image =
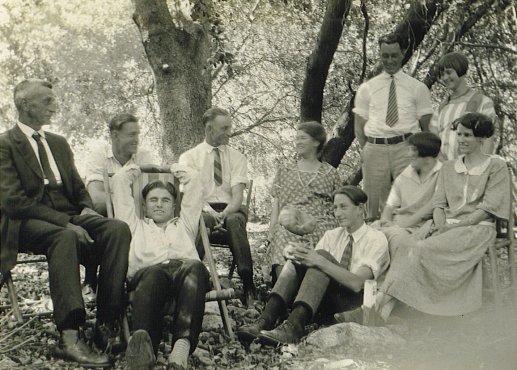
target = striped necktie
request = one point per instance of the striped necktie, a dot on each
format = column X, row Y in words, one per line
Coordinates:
column 346, row 258
column 392, row 114
column 218, row 170
column 43, row 158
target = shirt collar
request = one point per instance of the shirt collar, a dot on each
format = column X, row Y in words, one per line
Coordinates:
column 411, row 172
column 397, row 75
column 29, row 131
column 110, row 154
column 459, row 166
column 209, row 148
column 359, row 233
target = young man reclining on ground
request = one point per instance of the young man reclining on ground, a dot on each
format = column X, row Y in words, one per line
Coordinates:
column 323, row 280
column 164, row 265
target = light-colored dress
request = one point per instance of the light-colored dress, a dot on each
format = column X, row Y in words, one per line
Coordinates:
column 309, row 192
column 441, row 274
column 452, row 109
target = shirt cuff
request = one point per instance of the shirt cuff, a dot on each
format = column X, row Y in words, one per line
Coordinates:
column 361, row 112
column 94, row 177
column 239, row 180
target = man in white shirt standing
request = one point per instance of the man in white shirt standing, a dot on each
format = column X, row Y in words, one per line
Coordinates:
column 164, row 265
column 224, row 171
column 318, row 283
column 389, row 108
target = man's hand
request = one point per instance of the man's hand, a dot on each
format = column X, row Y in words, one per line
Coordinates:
column 306, row 256
column 89, row 211
column 82, row 234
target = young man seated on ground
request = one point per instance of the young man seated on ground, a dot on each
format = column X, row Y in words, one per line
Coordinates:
column 410, row 200
column 320, row 282
column 164, row 265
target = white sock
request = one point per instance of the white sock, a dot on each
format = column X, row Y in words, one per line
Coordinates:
column 180, row 352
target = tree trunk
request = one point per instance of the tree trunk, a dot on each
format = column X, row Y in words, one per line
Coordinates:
column 320, row 59
column 177, row 50
column 414, row 26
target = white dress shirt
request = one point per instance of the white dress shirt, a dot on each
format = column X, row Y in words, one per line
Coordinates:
column 29, row 131
column 151, row 244
column 234, row 169
column 370, row 248
column 102, row 158
column 371, row 103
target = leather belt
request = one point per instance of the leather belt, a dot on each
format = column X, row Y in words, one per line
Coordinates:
column 388, row 140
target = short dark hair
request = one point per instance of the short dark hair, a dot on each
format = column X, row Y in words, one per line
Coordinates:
column 20, row 90
column 117, row 122
column 480, row 124
column 394, row 38
column 427, row 144
column 212, row 113
column 356, row 195
column 315, row 130
column 158, row 184
column 456, row 61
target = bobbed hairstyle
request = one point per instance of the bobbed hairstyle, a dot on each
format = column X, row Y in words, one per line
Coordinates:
column 22, row 90
column 427, row 144
column 315, row 130
column 356, row 195
column 393, row 38
column 117, row 122
column 480, row 124
column 212, row 113
column 158, row 184
column 456, row 61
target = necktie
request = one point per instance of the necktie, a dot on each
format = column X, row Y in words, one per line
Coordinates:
column 43, row 158
column 392, row 114
column 218, row 170
column 346, row 258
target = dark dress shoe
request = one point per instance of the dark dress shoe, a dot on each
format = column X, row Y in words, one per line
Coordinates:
column 248, row 333
column 108, row 337
column 72, row 347
column 283, row 334
column 140, row 352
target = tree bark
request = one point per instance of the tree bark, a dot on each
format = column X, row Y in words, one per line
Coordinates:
column 177, row 50
column 414, row 26
column 320, row 59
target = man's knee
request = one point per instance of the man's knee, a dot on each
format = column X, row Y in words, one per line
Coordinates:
column 120, row 228
column 235, row 219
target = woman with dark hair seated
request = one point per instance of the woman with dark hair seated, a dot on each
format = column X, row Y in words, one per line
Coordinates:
column 441, row 275
column 462, row 99
column 302, row 195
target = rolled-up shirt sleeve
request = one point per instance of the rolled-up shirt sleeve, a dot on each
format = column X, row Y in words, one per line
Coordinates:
column 362, row 102
column 95, row 165
column 239, row 173
column 374, row 255
column 394, row 199
column 423, row 100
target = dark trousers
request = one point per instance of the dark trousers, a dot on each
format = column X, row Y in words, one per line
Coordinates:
column 236, row 237
column 64, row 253
column 182, row 283
column 315, row 290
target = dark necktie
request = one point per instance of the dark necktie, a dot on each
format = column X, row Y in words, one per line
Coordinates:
column 43, row 158
column 218, row 170
column 392, row 114
column 346, row 258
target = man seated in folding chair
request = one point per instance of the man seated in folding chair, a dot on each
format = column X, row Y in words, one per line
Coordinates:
column 164, row 265
column 224, row 171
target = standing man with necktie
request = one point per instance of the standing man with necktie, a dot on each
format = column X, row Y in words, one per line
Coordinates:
column 224, row 172
column 389, row 108
column 317, row 283
column 45, row 209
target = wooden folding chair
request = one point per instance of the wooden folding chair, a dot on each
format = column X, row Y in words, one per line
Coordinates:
column 220, row 239
column 217, row 294
column 505, row 239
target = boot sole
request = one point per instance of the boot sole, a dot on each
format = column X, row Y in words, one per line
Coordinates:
column 59, row 353
column 246, row 336
column 139, row 352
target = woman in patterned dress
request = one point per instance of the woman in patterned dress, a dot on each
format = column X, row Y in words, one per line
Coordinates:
column 306, row 185
column 462, row 99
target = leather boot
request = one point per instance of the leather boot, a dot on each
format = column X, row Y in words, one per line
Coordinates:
column 72, row 347
column 108, row 337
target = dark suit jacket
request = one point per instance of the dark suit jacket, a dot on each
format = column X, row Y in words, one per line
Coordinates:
column 22, row 188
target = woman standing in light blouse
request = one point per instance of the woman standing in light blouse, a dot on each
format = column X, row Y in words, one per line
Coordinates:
column 462, row 99
column 441, row 275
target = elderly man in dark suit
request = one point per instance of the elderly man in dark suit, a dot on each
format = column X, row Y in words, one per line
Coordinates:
column 45, row 209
